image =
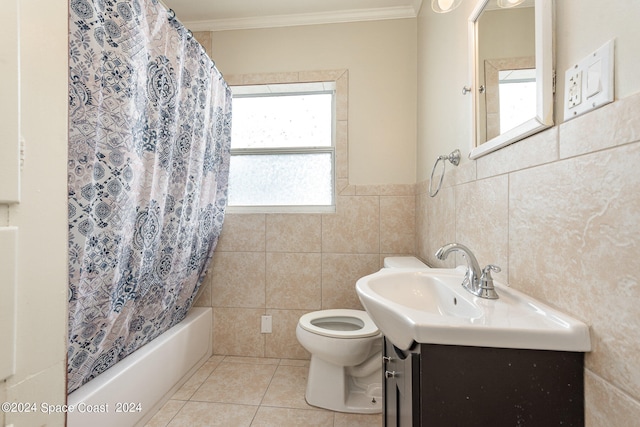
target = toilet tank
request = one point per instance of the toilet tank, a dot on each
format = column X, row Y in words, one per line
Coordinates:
column 403, row 262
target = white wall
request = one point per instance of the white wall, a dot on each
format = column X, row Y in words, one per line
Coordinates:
column 41, row 216
column 581, row 28
column 380, row 57
column 444, row 114
column 584, row 26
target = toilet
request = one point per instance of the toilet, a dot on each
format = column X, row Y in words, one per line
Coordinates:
column 345, row 372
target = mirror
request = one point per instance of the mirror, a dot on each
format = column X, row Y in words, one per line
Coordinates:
column 511, row 57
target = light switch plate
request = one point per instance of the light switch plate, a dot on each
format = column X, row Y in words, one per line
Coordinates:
column 8, row 280
column 589, row 83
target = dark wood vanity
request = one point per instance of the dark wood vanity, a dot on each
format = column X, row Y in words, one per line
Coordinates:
column 432, row 385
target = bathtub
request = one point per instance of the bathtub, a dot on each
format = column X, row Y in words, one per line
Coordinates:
column 131, row 392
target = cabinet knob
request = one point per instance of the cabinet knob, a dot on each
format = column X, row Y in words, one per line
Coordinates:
column 389, row 374
column 386, row 359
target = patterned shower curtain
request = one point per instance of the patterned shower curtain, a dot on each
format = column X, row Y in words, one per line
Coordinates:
column 149, row 136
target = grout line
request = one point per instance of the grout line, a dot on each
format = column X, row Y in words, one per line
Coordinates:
column 177, row 412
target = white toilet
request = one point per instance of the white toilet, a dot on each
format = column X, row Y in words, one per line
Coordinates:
column 345, row 373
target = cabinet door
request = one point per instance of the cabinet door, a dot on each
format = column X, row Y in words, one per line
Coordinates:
column 401, row 381
column 390, row 390
column 500, row 387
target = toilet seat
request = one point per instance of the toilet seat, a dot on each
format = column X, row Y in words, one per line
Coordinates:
column 341, row 323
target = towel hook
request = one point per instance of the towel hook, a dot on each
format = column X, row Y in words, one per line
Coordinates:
column 454, row 159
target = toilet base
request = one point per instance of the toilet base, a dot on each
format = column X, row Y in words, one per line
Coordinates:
column 329, row 387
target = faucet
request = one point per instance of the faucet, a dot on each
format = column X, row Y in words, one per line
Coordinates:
column 478, row 282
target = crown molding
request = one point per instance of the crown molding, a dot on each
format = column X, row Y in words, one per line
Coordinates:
column 306, row 19
column 417, row 5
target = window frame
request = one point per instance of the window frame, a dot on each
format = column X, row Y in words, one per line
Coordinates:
column 276, row 89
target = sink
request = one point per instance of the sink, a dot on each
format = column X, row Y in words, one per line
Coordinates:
column 430, row 306
column 428, row 293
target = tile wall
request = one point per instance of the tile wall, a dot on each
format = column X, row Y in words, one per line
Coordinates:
column 560, row 213
column 285, row 265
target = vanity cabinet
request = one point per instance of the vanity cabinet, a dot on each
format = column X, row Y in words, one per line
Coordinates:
column 446, row 385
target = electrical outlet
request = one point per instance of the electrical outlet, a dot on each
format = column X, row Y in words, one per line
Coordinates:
column 266, row 325
column 575, row 89
column 589, row 83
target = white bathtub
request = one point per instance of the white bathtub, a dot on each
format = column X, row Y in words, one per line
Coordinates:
column 130, row 392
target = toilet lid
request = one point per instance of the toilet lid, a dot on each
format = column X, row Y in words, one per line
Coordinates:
column 339, row 323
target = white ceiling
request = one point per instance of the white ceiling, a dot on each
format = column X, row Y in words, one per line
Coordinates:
column 215, row 15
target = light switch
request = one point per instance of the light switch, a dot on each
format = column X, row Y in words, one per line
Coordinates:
column 594, row 79
column 8, row 275
column 589, row 83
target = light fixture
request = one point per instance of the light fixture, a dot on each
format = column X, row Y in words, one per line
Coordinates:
column 444, row 6
column 509, row 3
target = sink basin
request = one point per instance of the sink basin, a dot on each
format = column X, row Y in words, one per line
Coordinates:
column 430, row 306
column 427, row 293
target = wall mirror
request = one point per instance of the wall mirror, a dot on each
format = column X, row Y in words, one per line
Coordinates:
column 512, row 71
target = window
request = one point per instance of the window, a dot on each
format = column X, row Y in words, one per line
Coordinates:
column 282, row 148
column 517, row 92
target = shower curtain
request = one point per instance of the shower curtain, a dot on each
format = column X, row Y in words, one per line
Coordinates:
column 149, row 136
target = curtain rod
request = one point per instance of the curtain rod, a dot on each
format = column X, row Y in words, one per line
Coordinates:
column 163, row 4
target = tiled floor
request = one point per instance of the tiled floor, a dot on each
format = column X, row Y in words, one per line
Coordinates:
column 241, row 391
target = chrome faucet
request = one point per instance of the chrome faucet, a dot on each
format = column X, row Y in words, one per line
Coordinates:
column 478, row 282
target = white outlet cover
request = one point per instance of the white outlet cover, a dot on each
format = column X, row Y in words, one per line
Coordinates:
column 266, row 324
column 595, row 76
column 574, row 88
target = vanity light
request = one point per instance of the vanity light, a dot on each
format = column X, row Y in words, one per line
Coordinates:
column 444, row 6
column 509, row 3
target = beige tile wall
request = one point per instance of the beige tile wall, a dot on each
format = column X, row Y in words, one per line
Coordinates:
column 560, row 213
column 285, row 265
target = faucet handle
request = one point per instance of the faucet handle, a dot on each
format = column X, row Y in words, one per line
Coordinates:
column 487, row 270
column 486, row 288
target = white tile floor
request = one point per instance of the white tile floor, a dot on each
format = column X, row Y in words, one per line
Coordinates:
column 243, row 391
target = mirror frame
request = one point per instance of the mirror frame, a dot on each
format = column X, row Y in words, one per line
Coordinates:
column 545, row 80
